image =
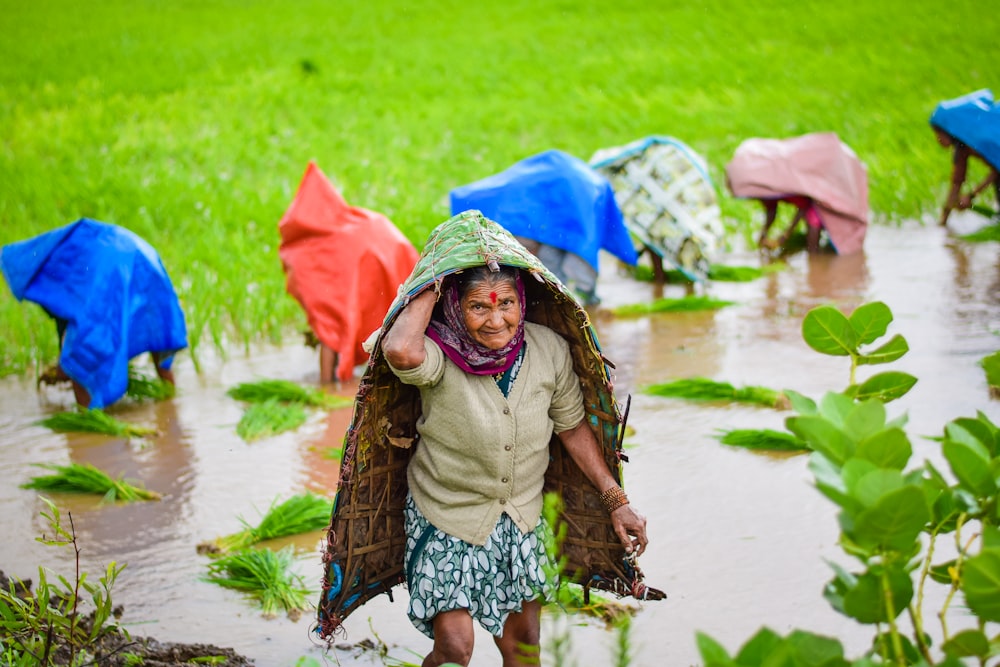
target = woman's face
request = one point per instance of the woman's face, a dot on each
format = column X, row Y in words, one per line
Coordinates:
column 492, row 313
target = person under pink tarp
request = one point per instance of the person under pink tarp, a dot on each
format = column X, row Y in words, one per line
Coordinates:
column 816, row 172
column 343, row 264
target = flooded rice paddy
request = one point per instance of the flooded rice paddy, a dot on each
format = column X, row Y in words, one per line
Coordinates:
column 738, row 539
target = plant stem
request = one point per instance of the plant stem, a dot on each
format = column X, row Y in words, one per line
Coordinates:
column 890, row 609
column 954, row 578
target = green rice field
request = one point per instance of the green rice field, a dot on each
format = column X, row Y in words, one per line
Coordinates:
column 191, row 123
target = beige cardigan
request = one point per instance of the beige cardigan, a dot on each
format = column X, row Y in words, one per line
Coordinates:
column 480, row 454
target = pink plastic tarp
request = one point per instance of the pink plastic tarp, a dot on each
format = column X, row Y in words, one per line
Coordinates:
column 819, row 166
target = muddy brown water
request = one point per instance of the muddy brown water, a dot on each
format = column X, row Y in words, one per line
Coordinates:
column 738, row 539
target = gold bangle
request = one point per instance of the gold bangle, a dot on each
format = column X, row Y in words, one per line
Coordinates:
column 614, row 497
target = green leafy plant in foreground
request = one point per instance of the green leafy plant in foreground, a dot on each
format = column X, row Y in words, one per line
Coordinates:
column 892, row 521
column 265, row 576
column 991, row 364
column 85, row 478
column 47, row 628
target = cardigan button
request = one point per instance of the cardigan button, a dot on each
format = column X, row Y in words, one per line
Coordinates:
column 504, row 480
column 506, row 411
column 503, row 501
column 507, row 447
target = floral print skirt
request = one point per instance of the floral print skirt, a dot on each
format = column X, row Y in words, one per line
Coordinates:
column 491, row 581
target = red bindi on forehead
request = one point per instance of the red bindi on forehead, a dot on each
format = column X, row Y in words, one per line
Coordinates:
column 493, row 297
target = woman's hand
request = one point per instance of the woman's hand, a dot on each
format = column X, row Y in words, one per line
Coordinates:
column 630, row 526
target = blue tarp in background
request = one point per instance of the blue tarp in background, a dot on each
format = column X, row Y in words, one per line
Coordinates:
column 973, row 119
column 110, row 287
column 555, row 199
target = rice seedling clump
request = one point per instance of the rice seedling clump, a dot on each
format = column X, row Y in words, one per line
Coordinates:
column 704, row 389
column 85, row 478
column 144, row 387
column 762, row 440
column 86, row 420
column 299, row 514
column 271, row 417
column 667, row 305
column 286, row 392
column 264, row 575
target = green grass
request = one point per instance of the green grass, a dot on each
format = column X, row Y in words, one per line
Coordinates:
column 991, row 365
column 191, row 123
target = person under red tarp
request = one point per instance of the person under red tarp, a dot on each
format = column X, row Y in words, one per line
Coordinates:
column 343, row 264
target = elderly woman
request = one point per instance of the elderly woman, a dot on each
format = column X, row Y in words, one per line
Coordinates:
column 493, row 389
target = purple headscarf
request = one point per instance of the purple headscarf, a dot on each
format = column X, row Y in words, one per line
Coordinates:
column 454, row 339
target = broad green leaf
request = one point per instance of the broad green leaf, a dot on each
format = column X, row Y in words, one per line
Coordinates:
column 829, row 481
column 967, row 643
column 895, row 521
column 981, row 584
column 822, row 437
column 836, row 407
column 991, row 537
column 885, row 644
column 871, row 487
column 866, row 602
column 886, row 386
column 826, row 330
column 895, row 348
column 712, row 652
column 758, row 647
column 958, row 432
column 889, row 448
column 870, row 321
column 800, row 403
column 817, row 650
column 981, row 430
column 864, row 419
column 970, row 463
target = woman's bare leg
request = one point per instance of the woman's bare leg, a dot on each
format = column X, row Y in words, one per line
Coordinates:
column 453, row 639
column 519, row 644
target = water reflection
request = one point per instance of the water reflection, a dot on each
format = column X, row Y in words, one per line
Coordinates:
column 730, row 530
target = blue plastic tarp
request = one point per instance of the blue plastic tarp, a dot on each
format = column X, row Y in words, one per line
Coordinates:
column 973, row 119
column 555, row 199
column 110, row 288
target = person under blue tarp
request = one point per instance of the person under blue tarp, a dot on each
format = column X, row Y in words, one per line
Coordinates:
column 111, row 299
column 970, row 125
column 559, row 208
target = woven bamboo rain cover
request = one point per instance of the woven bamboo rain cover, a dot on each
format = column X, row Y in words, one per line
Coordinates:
column 365, row 544
column 667, row 199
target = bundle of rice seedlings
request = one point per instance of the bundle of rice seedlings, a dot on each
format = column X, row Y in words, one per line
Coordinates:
column 703, row 389
column 666, row 305
column 271, row 417
column 85, row 478
column 299, row 514
column 84, row 420
column 285, row 391
column 991, row 364
column 265, row 576
column 142, row 387
column 734, row 274
column 762, row 440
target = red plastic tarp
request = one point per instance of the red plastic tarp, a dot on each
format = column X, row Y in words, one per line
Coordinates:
column 819, row 166
column 343, row 264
